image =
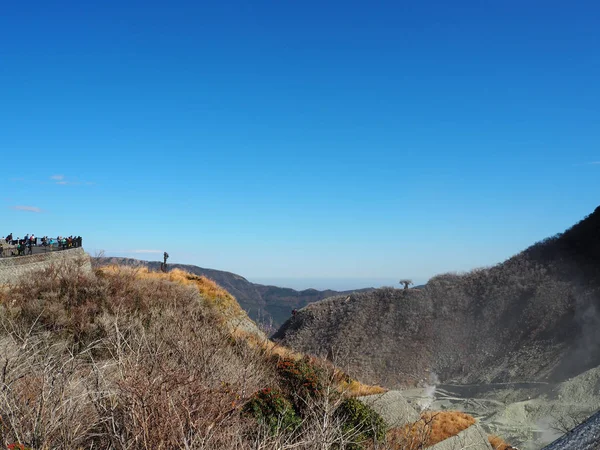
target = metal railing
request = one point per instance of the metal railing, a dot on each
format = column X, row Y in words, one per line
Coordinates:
column 22, row 247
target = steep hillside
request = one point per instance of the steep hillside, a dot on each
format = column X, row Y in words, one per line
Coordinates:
column 270, row 305
column 129, row 359
column 583, row 437
column 535, row 317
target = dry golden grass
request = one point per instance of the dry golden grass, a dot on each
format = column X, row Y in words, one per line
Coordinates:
column 211, row 291
column 125, row 359
column 228, row 306
column 137, row 292
column 354, row 388
column 433, row 427
column 447, row 424
column 498, row 443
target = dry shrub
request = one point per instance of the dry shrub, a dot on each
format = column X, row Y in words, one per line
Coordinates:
column 210, row 291
column 126, row 359
column 42, row 395
column 346, row 385
column 498, row 443
column 354, row 388
column 433, row 427
column 122, row 360
column 182, row 385
column 269, row 347
column 71, row 301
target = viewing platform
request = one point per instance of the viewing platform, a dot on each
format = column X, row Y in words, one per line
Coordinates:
column 25, row 247
column 14, row 268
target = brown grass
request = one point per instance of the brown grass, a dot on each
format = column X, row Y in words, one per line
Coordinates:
column 433, row 427
column 498, row 443
column 227, row 304
column 214, row 294
column 123, row 359
column 354, row 388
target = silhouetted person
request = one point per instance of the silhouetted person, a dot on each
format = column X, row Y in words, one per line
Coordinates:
column 163, row 266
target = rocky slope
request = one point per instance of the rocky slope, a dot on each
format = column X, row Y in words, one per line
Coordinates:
column 535, row 317
column 528, row 415
column 268, row 305
column 584, row 437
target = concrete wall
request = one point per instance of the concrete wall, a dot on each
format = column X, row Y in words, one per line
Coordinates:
column 13, row 268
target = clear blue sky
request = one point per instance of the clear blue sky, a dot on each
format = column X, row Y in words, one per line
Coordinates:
column 348, row 140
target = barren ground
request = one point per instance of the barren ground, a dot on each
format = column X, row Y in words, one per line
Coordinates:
column 527, row 415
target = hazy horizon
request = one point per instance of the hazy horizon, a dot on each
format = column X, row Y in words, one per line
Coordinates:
column 336, row 284
column 297, row 283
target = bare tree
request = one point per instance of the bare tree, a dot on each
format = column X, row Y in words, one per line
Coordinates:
column 406, row 283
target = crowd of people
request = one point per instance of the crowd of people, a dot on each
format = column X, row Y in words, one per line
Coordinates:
column 24, row 246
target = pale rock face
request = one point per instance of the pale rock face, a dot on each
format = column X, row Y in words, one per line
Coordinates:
column 392, row 407
column 397, row 412
column 473, row 438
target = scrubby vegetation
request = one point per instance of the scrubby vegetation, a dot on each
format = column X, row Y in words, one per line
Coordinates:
column 124, row 358
column 130, row 359
column 271, row 408
column 302, row 378
column 270, row 306
column 533, row 317
column 433, row 427
column 359, row 419
column 120, row 360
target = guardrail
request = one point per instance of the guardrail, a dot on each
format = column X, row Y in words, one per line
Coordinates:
column 17, row 248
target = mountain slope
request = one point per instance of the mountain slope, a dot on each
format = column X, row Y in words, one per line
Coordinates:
column 535, row 317
column 126, row 359
column 583, row 437
column 269, row 305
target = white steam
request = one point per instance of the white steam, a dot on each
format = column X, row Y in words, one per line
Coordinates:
column 429, row 392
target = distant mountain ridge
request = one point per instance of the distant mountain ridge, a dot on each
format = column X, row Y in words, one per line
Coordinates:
column 534, row 317
column 268, row 305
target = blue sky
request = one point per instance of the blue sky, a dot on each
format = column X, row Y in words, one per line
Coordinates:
column 314, row 143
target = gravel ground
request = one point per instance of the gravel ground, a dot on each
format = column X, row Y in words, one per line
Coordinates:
column 527, row 415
